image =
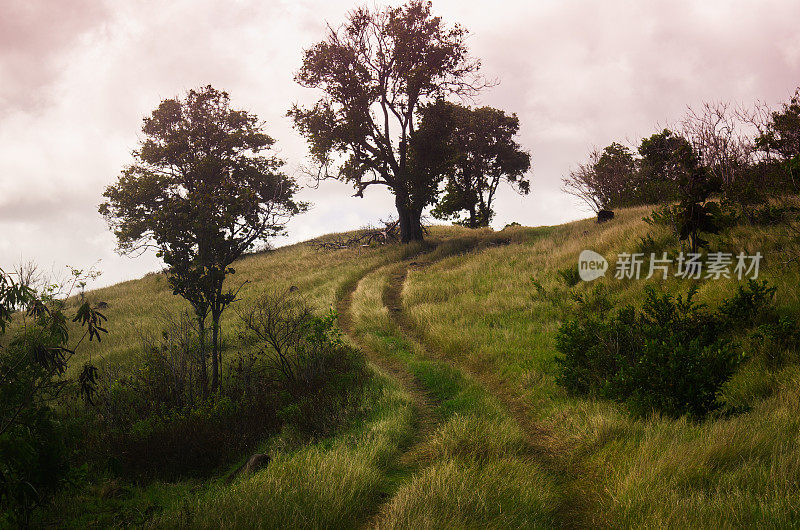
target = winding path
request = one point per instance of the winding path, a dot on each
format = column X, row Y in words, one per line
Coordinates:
column 426, row 418
column 579, row 500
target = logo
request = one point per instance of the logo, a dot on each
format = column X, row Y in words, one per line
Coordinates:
column 591, row 265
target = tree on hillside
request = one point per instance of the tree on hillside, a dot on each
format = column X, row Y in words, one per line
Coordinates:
column 661, row 166
column 782, row 135
column 484, row 154
column 204, row 188
column 606, row 181
column 376, row 70
column 719, row 136
column 695, row 214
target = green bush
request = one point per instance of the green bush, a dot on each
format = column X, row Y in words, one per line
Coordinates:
column 751, row 312
column 152, row 420
column 751, row 305
column 669, row 356
column 310, row 362
column 570, row 276
column 34, row 444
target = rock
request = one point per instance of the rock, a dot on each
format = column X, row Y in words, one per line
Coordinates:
column 102, row 305
column 255, row 463
column 293, row 288
column 604, row 215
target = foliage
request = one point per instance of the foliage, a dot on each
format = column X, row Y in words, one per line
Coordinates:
column 752, row 309
column 750, row 305
column 482, row 151
column 669, row 356
column 33, row 362
column 203, row 190
column 375, row 71
column 782, row 134
column 152, row 419
column 606, row 181
column 695, row 214
column 305, row 356
column 660, row 167
column 294, row 369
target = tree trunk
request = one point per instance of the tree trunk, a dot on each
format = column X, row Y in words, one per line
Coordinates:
column 201, row 326
column 410, row 220
column 215, row 316
column 473, row 221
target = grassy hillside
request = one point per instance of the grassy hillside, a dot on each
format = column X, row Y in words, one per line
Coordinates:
column 463, row 424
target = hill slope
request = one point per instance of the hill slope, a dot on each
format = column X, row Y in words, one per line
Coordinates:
column 464, row 423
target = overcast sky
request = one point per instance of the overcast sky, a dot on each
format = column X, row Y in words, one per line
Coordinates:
column 77, row 77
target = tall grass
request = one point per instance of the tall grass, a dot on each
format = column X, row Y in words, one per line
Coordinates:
column 494, row 311
column 475, row 469
column 329, row 484
column 738, row 470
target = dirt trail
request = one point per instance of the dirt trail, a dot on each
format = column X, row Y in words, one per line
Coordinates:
column 576, row 509
column 424, row 404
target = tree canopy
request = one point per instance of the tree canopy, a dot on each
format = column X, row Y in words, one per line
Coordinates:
column 483, row 153
column 375, row 71
column 606, row 181
column 204, row 188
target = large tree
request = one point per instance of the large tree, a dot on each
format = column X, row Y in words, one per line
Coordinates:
column 484, row 154
column 203, row 189
column 376, row 70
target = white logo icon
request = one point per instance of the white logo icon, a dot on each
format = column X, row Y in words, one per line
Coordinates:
column 591, row 265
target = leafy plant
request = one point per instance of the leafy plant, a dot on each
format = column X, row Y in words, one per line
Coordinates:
column 33, row 362
column 570, row 275
column 668, row 356
column 752, row 304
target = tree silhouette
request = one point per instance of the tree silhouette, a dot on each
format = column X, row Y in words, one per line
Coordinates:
column 376, row 70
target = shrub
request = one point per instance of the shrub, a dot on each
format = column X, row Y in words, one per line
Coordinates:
column 307, row 358
column 152, row 420
column 669, row 356
column 751, row 311
column 570, row 275
column 293, row 370
column 192, row 441
column 752, row 304
column 33, row 364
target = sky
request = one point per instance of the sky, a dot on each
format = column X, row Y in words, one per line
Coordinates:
column 78, row 76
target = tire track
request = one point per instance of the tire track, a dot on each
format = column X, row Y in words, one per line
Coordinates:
column 579, row 500
column 425, row 405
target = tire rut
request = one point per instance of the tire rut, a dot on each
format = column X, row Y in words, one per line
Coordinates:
column 576, row 507
column 424, row 404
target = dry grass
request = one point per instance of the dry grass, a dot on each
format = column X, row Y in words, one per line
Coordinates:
column 481, row 313
column 735, row 471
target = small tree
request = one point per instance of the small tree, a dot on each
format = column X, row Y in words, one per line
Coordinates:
column 203, row 189
column 607, row 181
column 484, row 154
column 782, row 136
column 376, row 71
column 695, row 214
column 660, row 166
